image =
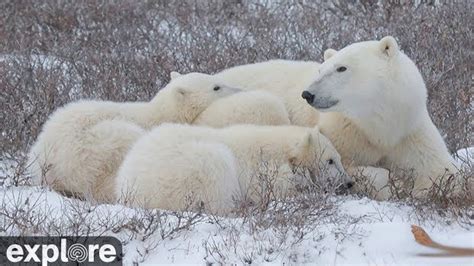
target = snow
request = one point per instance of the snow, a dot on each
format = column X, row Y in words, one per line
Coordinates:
column 378, row 242
column 372, row 233
column 466, row 155
column 364, row 232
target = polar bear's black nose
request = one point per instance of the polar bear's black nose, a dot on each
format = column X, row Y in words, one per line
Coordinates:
column 308, row 96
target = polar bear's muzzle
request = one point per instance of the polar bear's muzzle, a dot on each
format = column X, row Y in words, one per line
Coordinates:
column 324, row 102
column 318, row 102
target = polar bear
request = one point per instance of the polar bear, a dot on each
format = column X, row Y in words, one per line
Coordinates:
column 247, row 107
column 83, row 143
column 178, row 175
column 373, row 103
column 283, row 78
column 172, row 161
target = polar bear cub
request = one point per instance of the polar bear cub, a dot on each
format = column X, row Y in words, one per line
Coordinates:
column 373, row 103
column 83, row 143
column 171, row 162
column 248, row 107
column 178, row 175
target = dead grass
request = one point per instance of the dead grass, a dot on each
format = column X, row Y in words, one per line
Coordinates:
column 53, row 52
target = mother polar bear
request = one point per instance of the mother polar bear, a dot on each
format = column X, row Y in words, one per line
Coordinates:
column 372, row 103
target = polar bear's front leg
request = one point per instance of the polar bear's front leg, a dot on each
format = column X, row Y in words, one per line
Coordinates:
column 373, row 181
column 426, row 156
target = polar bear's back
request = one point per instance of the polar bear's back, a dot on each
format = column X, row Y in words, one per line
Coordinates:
column 67, row 124
column 275, row 75
column 80, row 115
column 79, row 145
column 178, row 175
column 250, row 107
column 59, row 134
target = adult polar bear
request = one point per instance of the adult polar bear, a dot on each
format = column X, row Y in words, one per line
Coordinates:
column 383, row 119
column 82, row 144
column 373, row 103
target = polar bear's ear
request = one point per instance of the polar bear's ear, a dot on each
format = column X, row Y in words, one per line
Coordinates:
column 174, row 74
column 388, row 45
column 329, row 53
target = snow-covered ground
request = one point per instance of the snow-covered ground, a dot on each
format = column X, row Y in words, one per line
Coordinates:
column 362, row 232
column 366, row 233
column 383, row 237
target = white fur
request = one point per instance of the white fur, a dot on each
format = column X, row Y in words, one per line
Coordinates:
column 375, row 111
column 82, row 144
column 178, row 175
column 377, row 178
column 248, row 107
column 164, row 161
column 284, row 78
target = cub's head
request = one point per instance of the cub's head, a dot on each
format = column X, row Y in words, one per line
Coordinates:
column 362, row 75
column 194, row 92
column 316, row 153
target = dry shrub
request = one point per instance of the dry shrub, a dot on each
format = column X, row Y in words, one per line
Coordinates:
column 451, row 196
column 275, row 221
column 52, row 53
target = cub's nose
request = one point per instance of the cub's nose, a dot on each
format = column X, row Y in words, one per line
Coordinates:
column 308, row 96
column 350, row 184
column 345, row 188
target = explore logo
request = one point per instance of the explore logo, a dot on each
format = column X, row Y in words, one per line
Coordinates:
column 60, row 250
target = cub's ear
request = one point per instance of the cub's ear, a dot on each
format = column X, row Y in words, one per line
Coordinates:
column 174, row 74
column 329, row 53
column 388, row 46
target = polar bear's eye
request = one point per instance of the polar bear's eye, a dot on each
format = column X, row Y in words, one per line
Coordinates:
column 216, row 88
column 341, row 69
column 330, row 161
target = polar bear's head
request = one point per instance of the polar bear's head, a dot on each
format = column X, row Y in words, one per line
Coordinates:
column 364, row 77
column 316, row 153
column 192, row 93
